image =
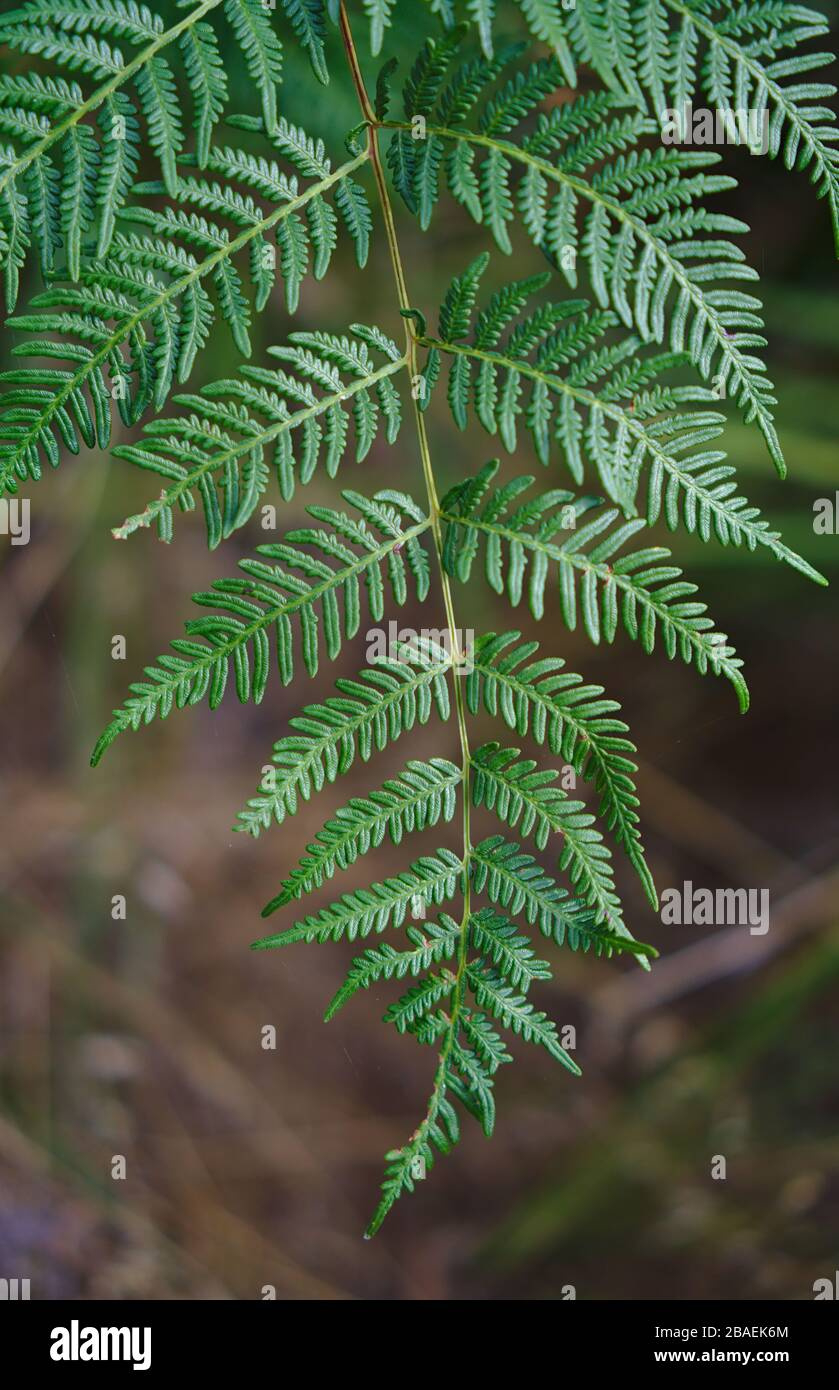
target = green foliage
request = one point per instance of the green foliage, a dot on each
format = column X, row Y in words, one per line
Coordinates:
column 610, row 398
column 424, row 793
column 598, row 578
column 63, row 177
column 431, row 879
column 616, row 391
column 302, row 410
column 314, row 578
column 523, row 796
column 135, row 320
column 665, row 55
column 513, row 879
column 744, row 55
column 430, row 944
column 386, row 701
column 556, row 708
column 585, row 181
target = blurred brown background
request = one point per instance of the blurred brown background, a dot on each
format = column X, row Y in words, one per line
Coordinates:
column 142, row 1037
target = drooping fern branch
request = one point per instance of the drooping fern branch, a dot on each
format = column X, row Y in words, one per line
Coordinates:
column 608, row 389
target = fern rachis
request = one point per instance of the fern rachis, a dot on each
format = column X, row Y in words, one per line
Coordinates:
column 608, row 389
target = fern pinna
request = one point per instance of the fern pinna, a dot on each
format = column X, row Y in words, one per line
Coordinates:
column 608, row 363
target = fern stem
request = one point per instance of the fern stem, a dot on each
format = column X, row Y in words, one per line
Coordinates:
column 107, row 89
column 411, row 342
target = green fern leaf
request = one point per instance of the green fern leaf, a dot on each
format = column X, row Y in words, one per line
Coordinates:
column 517, row 1014
column 432, row 879
column 156, row 281
column 638, row 588
column 430, row 944
column 47, row 115
column 639, row 229
column 371, row 712
column 523, row 795
column 736, row 57
column 424, row 794
column 497, row 939
column 285, row 582
column 560, row 377
column 541, row 698
column 512, row 878
column 296, row 415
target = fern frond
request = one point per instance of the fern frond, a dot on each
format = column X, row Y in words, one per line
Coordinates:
column 510, row 877
column 572, row 719
column 64, row 172
column 486, row 1044
column 671, row 54
column 420, row 797
column 431, row 943
column 583, row 185
column 142, row 314
column 522, row 795
column 493, row 993
column 300, row 239
column 292, row 417
column 556, row 372
column 498, row 940
column 433, row 879
column 136, row 275
column 438, row 1131
column 470, row 1079
column 471, row 1050
column 743, row 56
column 372, row 711
column 286, row 582
column 640, row 589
